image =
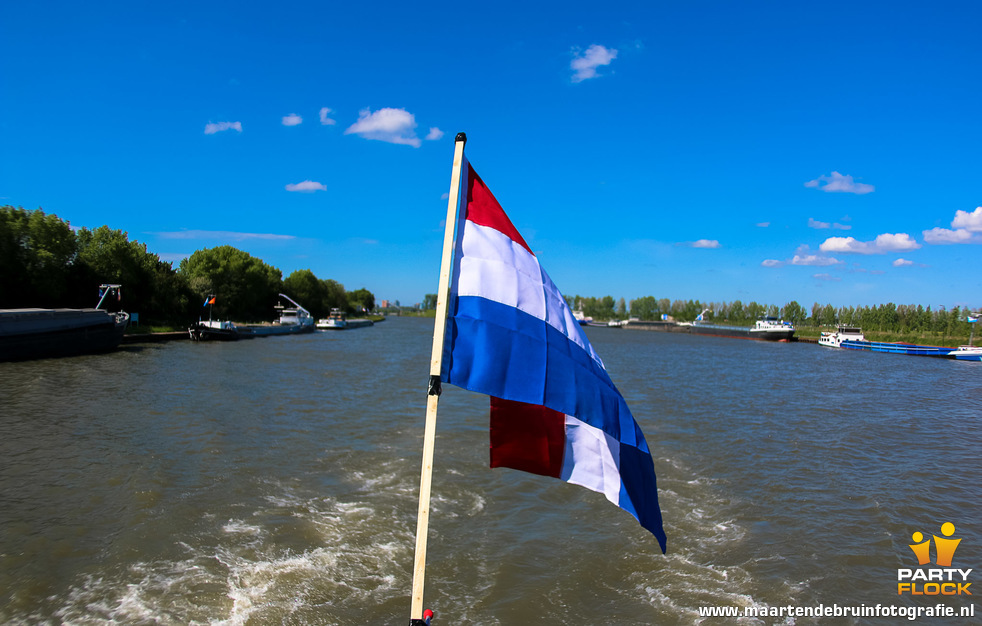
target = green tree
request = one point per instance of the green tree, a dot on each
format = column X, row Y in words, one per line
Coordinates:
column 794, row 313
column 37, row 253
column 606, row 308
column 150, row 286
column 361, row 299
column 754, row 311
column 304, row 287
column 816, row 316
column 429, row 302
column 335, row 296
column 246, row 287
column 645, row 308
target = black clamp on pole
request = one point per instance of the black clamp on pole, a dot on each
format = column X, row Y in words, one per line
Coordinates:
column 434, row 388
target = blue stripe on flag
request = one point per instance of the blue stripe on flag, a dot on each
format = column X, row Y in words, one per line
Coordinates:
column 498, row 350
column 639, row 491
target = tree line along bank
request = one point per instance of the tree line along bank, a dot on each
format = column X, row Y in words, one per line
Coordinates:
column 46, row 263
column 890, row 319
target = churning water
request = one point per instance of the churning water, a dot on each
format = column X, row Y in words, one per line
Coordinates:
column 275, row 481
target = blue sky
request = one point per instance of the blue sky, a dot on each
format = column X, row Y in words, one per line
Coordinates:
column 768, row 151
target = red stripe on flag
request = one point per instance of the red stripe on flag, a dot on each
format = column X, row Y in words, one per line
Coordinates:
column 483, row 209
column 527, row 437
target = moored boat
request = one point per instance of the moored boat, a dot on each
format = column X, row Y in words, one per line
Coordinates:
column 292, row 320
column 966, row 353
column 772, row 329
column 764, row 329
column 852, row 338
column 39, row 333
column 969, row 352
column 581, row 319
column 841, row 334
column 335, row 321
column 214, row 331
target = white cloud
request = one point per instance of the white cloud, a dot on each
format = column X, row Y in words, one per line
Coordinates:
column 706, row 243
column 967, row 229
column 969, row 221
column 221, row 234
column 882, row 244
column 216, row 127
column 944, row 236
column 814, row 259
column 902, row 263
column 585, row 65
column 840, row 183
column 814, row 223
column 899, row 241
column 803, row 256
column 389, row 125
column 434, row 134
column 826, row 277
column 845, row 244
column 307, row 186
column 325, row 120
column 763, row 224
column 292, row 120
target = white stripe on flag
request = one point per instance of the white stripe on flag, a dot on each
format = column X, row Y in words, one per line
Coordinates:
column 592, row 459
column 494, row 267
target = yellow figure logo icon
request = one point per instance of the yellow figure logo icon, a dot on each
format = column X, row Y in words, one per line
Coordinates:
column 944, row 548
column 921, row 548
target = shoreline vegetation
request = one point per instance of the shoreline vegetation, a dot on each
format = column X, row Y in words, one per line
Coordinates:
column 905, row 323
column 46, row 263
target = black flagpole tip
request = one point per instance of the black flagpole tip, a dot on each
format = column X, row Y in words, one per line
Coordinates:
column 461, row 137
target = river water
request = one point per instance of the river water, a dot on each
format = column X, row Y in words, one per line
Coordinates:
column 275, row 481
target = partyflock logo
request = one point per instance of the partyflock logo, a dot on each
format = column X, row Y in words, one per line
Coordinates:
column 943, row 580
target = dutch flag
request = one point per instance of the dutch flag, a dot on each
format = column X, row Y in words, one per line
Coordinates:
column 511, row 335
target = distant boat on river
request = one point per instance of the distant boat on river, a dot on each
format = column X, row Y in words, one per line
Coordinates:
column 969, row 352
column 292, row 320
column 39, row 333
column 335, row 321
column 214, row 331
column 764, row 329
column 339, row 321
column 966, row 353
column 852, row 338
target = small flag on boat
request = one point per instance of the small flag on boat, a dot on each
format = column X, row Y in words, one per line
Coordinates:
column 209, row 300
column 511, row 335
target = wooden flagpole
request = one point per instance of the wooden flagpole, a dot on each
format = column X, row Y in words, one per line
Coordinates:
column 433, row 392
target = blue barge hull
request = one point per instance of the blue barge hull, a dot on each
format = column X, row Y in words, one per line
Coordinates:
column 897, row 348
